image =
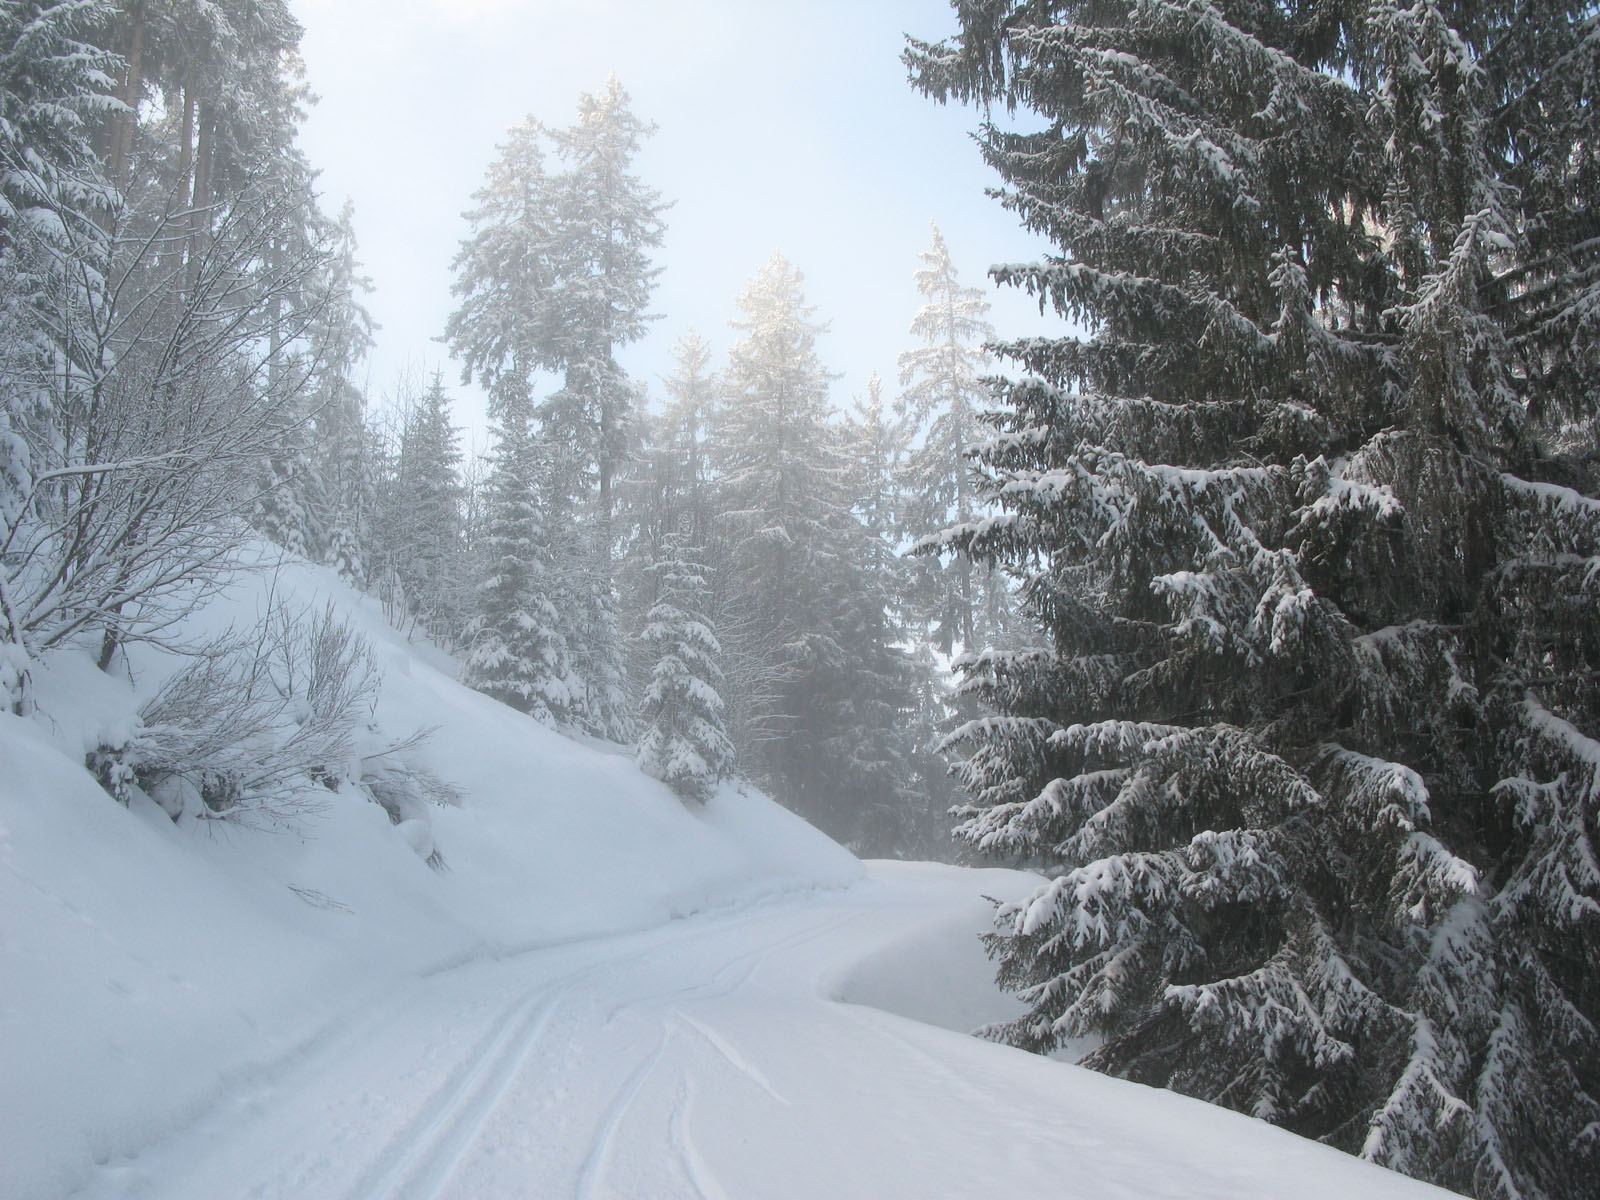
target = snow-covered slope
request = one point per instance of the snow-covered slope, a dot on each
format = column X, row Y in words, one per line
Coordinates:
column 605, row 994
column 143, row 966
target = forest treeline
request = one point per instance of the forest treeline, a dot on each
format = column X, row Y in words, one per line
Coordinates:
column 714, row 576
column 1274, row 593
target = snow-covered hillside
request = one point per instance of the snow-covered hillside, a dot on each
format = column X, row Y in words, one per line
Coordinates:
column 144, row 966
column 603, row 993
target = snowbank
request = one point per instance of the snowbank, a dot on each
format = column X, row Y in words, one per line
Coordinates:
column 146, row 967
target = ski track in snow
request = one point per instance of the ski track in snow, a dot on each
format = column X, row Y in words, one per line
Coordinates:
column 425, row 1155
column 601, row 1146
column 701, row 1060
column 733, row 1057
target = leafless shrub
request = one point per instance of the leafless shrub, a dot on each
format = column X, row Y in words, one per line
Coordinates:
column 252, row 723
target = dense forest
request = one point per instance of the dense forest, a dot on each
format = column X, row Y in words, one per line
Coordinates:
column 1259, row 615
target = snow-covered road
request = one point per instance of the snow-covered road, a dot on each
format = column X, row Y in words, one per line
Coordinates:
column 711, row 1058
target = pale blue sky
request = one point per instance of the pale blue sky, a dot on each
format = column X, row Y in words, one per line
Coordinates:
column 781, row 126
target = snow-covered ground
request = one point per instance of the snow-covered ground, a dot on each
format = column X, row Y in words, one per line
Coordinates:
column 605, row 994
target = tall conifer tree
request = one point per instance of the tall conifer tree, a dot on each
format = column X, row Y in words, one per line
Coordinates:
column 1311, row 750
column 338, row 340
column 428, row 539
column 557, row 277
column 943, row 395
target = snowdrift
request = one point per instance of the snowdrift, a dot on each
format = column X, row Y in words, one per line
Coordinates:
column 146, row 966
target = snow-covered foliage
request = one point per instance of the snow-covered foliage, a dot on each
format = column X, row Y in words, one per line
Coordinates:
column 252, row 723
column 1309, row 749
column 557, row 277
column 684, row 743
column 419, row 530
column 943, row 395
column 516, row 652
column 159, row 258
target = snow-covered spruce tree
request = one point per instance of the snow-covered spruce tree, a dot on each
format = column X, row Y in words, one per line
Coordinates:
column 428, row 541
column 876, row 447
column 812, row 633
column 666, row 491
column 515, row 650
column 668, row 485
column 608, row 223
column 683, row 743
column 943, row 394
column 287, row 484
column 557, row 277
column 782, row 501
column 503, row 273
column 1312, row 746
column 881, row 748
column 338, row 340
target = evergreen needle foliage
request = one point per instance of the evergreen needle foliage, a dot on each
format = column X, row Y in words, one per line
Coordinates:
column 1307, row 514
column 684, row 743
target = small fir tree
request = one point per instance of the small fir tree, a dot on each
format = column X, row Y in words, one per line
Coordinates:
column 684, row 743
column 422, row 526
column 515, row 650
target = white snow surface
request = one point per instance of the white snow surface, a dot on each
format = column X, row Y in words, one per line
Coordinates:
column 605, row 994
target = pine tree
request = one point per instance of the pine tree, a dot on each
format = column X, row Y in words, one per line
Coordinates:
column 431, row 500
column 670, row 486
column 877, row 446
column 684, row 743
column 782, row 501
column 516, row 653
column 609, row 221
column 418, row 563
column 805, row 580
column 499, row 332
column 943, row 395
column 53, row 198
column 504, row 272
column 780, row 467
column 339, row 339
column 557, row 277
column 287, row 495
column 1312, row 746
column 879, row 747
column 54, row 91
column 666, row 492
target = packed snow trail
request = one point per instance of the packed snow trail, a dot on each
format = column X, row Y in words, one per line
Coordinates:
column 710, row 1059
